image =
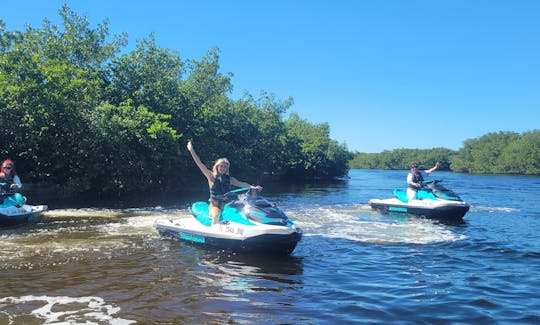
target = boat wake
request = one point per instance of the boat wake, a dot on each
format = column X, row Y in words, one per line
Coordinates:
column 65, row 236
column 492, row 209
column 360, row 223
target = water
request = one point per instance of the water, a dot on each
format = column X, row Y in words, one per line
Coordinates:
column 354, row 265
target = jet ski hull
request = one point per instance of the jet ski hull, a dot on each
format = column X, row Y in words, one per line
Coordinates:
column 432, row 201
column 247, row 224
column 440, row 209
column 11, row 216
column 232, row 236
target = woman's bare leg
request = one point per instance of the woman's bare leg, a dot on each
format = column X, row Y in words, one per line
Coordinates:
column 215, row 211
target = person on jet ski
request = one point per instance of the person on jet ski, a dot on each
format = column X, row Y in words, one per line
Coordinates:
column 8, row 177
column 219, row 182
column 415, row 179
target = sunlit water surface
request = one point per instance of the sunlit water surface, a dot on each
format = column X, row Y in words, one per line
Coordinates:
column 353, row 265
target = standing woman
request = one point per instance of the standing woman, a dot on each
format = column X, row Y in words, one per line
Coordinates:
column 219, row 182
column 8, row 176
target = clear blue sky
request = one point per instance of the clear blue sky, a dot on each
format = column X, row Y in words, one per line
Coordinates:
column 383, row 74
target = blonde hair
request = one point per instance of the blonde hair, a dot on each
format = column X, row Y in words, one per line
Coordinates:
column 219, row 162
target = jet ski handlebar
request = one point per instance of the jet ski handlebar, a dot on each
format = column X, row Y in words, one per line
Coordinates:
column 233, row 193
column 431, row 181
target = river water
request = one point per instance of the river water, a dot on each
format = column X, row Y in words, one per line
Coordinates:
column 353, row 265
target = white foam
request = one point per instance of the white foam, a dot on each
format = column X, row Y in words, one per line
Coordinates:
column 45, row 248
column 63, row 309
column 141, row 224
column 80, row 236
column 493, row 209
column 357, row 224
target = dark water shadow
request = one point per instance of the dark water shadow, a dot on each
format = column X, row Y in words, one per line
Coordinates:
column 265, row 264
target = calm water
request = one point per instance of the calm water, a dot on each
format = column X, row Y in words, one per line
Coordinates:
column 354, row 265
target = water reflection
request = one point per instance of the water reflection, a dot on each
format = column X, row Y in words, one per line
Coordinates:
column 257, row 265
column 441, row 221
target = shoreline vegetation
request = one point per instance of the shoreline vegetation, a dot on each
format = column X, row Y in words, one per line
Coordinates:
column 80, row 115
column 494, row 153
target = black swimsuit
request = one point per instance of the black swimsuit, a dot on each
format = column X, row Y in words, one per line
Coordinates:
column 222, row 185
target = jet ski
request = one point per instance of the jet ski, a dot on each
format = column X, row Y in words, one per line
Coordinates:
column 247, row 224
column 15, row 212
column 432, row 201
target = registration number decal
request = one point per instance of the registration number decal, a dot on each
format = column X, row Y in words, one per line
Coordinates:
column 233, row 230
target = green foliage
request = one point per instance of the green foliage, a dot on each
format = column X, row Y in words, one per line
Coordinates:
column 312, row 153
column 269, row 142
column 79, row 118
column 493, row 153
column 402, row 158
column 45, row 101
column 500, row 153
column 134, row 148
column 148, row 76
column 522, row 156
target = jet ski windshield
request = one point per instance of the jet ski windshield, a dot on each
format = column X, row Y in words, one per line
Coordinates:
column 259, row 209
column 439, row 190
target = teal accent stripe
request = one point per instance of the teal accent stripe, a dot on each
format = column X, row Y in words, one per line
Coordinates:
column 396, row 209
column 193, row 238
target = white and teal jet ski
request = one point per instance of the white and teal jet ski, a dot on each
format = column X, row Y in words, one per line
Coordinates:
column 247, row 224
column 15, row 212
column 432, row 201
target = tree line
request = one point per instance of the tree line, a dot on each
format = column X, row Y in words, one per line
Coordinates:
column 79, row 116
column 493, row 153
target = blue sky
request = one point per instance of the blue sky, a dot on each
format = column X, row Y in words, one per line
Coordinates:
column 383, row 74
